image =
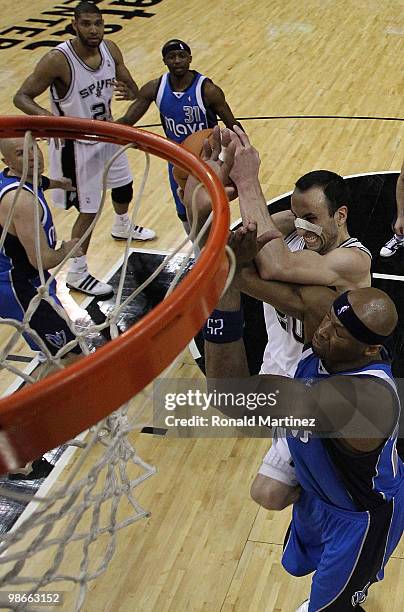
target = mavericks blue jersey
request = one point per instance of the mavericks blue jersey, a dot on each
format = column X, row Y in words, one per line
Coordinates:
column 14, row 263
column 183, row 112
column 339, row 476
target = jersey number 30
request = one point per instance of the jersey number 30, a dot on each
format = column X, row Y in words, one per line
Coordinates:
column 297, row 326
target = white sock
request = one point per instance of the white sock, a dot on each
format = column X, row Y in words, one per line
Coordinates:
column 78, row 264
column 122, row 219
column 399, row 238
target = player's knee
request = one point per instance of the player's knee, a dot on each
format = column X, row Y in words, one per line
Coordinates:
column 122, row 195
column 270, row 493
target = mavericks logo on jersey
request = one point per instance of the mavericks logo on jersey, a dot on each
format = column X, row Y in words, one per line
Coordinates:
column 193, row 122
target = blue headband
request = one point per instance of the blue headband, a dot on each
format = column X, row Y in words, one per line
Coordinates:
column 345, row 313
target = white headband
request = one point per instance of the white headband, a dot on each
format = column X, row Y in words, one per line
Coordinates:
column 310, row 227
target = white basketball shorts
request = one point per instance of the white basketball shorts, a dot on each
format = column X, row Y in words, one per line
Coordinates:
column 84, row 164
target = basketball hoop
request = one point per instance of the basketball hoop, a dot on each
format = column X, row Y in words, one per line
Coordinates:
column 48, row 413
column 32, row 420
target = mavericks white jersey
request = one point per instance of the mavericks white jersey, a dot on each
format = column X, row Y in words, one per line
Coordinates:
column 90, row 93
column 285, row 334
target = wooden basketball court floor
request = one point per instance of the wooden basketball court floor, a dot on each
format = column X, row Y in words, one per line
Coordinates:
column 207, row 546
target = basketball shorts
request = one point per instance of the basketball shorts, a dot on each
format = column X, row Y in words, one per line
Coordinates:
column 347, row 550
column 278, row 463
column 45, row 321
column 84, row 164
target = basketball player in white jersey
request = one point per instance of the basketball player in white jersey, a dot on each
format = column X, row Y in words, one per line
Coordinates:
column 316, row 250
column 81, row 75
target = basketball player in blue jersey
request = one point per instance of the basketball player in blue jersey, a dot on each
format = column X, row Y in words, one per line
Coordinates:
column 19, row 277
column 187, row 100
column 347, row 491
column 81, row 75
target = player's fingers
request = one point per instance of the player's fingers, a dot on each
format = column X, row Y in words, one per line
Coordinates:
column 231, row 192
column 228, row 159
column 216, row 143
column 206, row 150
column 226, row 139
column 242, row 136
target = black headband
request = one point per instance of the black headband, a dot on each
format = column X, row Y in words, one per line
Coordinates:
column 175, row 45
column 345, row 313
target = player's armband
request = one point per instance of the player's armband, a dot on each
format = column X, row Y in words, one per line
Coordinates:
column 224, row 326
column 45, row 182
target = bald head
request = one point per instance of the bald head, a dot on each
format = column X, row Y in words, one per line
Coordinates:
column 12, row 153
column 375, row 309
column 8, row 145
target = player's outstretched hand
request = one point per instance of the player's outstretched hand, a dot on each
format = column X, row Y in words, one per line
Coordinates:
column 246, row 163
column 245, row 243
column 122, row 91
column 192, row 191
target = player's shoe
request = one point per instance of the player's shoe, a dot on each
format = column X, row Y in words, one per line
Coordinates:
column 122, row 231
column 391, row 246
column 86, row 283
column 40, row 468
column 304, row 606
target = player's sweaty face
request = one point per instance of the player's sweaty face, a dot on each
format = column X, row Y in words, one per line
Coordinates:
column 89, row 29
column 312, row 206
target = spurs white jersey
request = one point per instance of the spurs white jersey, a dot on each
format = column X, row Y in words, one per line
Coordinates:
column 90, row 93
column 285, row 334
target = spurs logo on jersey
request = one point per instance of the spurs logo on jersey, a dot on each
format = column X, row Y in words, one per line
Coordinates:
column 286, row 334
column 91, row 90
column 96, row 88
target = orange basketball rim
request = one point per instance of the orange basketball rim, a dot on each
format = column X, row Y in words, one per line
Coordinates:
column 46, row 414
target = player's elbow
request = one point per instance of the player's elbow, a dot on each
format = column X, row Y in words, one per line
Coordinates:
column 18, row 99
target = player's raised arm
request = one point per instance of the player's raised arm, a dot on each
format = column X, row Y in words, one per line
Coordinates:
column 50, row 68
column 336, row 268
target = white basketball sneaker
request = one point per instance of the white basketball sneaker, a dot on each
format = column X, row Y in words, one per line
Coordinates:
column 304, row 607
column 121, row 231
column 86, row 283
column 392, row 246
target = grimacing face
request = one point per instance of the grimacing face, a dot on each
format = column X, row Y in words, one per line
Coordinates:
column 333, row 343
column 89, row 29
column 312, row 206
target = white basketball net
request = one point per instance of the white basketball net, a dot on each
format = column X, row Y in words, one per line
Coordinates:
column 71, row 533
